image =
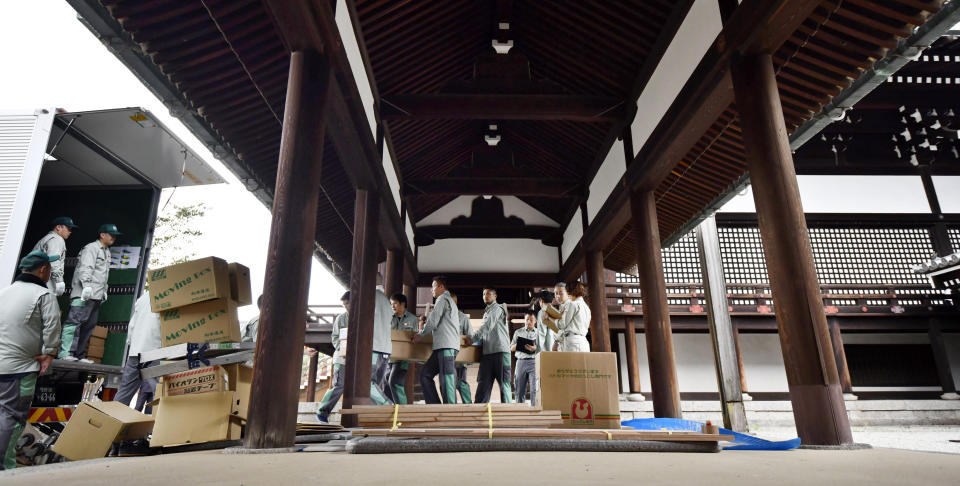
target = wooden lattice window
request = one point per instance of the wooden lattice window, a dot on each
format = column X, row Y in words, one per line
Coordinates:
column 845, row 256
column 954, row 234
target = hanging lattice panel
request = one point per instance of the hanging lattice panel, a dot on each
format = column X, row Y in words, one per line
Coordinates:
column 681, row 261
column 954, row 234
column 870, row 256
column 742, row 254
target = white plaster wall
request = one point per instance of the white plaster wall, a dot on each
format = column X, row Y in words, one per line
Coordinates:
column 572, row 235
column 392, row 180
column 409, row 231
column 352, row 49
column 512, row 206
column 952, row 342
column 610, row 172
column 487, row 255
column 850, row 194
column 763, row 362
column 695, row 36
column 948, row 193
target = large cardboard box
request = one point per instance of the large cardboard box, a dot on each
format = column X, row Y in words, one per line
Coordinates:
column 404, row 350
column 95, row 425
column 240, row 284
column 95, row 350
column 199, row 380
column 239, row 379
column 99, row 332
column 210, row 321
column 583, row 386
column 195, row 418
column 188, row 283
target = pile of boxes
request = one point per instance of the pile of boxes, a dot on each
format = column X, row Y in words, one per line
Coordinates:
column 197, row 302
column 97, row 344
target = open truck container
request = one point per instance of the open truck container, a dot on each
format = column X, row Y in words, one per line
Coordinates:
column 96, row 167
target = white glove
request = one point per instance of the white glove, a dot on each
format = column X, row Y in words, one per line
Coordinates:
column 60, row 288
column 86, row 293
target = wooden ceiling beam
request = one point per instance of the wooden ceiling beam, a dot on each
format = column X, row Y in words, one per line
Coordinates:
column 502, row 107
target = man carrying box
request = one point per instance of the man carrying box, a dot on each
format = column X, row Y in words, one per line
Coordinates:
column 382, row 349
column 465, row 329
column 401, row 320
column 495, row 362
column 29, row 339
column 526, row 354
column 89, row 290
column 444, row 324
column 333, row 394
column 143, row 334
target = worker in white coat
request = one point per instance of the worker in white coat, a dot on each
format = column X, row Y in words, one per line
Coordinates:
column 88, row 291
column 575, row 321
column 143, row 335
column 29, row 340
column 54, row 243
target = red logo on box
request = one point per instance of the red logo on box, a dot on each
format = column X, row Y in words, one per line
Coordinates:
column 581, row 409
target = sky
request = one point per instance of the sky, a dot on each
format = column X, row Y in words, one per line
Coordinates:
column 51, row 60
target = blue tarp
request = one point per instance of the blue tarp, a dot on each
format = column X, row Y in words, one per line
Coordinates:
column 740, row 441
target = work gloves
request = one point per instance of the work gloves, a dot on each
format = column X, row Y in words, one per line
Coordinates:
column 86, row 293
column 60, row 288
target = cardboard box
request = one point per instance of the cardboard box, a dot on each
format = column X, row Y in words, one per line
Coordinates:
column 95, row 350
column 404, row 350
column 188, row 283
column 195, row 418
column 99, row 332
column 210, row 321
column 240, row 284
column 198, row 380
column 239, row 379
column 583, row 386
column 95, row 425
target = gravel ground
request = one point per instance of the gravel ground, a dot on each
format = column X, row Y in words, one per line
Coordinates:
column 931, row 438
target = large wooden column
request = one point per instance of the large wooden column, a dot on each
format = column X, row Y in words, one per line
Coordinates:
column 393, row 280
column 633, row 362
column 363, row 286
column 743, row 375
column 840, row 356
column 276, row 377
column 656, row 314
column 597, row 300
column 812, row 377
column 721, row 327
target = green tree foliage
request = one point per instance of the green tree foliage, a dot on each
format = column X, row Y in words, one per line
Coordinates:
column 175, row 233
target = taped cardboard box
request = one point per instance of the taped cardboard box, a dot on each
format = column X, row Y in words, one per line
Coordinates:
column 583, row 386
column 195, row 418
column 200, row 380
column 99, row 332
column 95, row 425
column 188, row 283
column 404, row 350
column 240, row 284
column 95, row 350
column 211, row 321
column 239, row 379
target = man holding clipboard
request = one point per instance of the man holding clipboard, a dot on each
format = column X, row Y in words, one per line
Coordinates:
column 525, row 347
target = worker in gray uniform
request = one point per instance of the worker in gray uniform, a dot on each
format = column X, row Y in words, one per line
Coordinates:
column 526, row 374
column 250, row 329
column 88, row 291
column 465, row 329
column 333, row 394
column 54, row 243
column 29, row 340
column 143, row 334
column 495, row 362
column 444, row 324
column 402, row 320
column 382, row 348
column 546, row 336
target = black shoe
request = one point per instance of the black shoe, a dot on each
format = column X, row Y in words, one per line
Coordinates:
column 137, row 447
column 114, row 450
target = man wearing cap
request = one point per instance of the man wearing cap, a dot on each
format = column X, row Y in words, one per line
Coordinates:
column 401, row 320
column 88, row 291
column 29, row 339
column 55, row 244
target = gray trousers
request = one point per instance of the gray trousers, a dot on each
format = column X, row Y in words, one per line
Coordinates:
column 78, row 328
column 526, row 376
column 131, row 383
column 333, row 395
column 16, row 394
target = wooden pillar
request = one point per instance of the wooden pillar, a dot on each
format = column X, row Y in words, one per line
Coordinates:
column 721, row 327
column 633, row 362
column 656, row 314
column 312, row 377
column 393, row 278
column 275, row 388
column 743, row 376
column 840, row 356
column 597, row 299
column 812, row 377
column 942, row 360
column 363, row 283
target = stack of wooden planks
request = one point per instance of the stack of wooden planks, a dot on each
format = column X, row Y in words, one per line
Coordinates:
column 310, row 428
column 520, row 433
column 503, row 415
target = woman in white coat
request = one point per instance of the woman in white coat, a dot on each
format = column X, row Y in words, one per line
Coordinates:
column 575, row 321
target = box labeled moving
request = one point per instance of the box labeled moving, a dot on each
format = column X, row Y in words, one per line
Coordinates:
column 188, row 283
column 210, row 321
column 583, row 386
column 240, row 284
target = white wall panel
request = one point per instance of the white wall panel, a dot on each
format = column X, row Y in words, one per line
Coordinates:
column 850, row 194
column 392, row 179
column 572, row 235
column 512, row 206
column 610, row 172
column 948, row 193
column 352, row 48
column 488, row 255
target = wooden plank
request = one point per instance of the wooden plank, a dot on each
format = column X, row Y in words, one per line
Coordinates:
column 440, row 408
column 597, row 434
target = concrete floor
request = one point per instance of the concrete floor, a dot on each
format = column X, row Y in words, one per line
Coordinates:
column 876, row 467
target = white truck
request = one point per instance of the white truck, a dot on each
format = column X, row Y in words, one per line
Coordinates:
column 104, row 166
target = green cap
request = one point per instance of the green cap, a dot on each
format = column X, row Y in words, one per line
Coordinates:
column 64, row 220
column 36, row 259
column 109, row 228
